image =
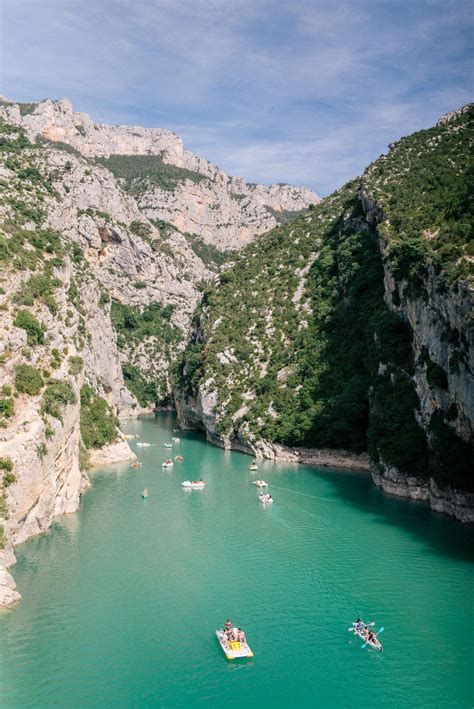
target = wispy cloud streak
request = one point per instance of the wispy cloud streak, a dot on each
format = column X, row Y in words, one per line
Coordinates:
column 306, row 92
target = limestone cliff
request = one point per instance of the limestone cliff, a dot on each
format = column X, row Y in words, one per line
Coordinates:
column 202, row 199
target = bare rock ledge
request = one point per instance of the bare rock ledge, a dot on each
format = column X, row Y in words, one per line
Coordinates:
column 116, row 452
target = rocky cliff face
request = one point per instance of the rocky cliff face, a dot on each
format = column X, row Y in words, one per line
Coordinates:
column 354, row 329
column 203, row 201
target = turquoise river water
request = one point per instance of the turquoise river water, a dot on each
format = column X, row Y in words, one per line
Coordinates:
column 121, row 600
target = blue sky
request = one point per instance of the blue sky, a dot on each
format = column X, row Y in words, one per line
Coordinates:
column 306, row 92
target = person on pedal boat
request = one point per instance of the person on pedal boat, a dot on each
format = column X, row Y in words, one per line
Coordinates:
column 227, row 625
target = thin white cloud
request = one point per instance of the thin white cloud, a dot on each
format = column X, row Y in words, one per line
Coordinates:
column 306, row 92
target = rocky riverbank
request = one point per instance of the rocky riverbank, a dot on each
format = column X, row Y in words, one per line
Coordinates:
column 447, row 500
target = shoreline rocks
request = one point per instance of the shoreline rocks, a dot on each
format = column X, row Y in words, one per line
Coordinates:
column 8, row 592
column 457, row 503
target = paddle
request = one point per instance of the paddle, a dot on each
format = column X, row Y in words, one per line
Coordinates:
column 380, row 631
column 365, row 625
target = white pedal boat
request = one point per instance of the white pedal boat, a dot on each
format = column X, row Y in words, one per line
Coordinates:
column 265, row 498
column 253, row 466
column 168, row 445
column 143, row 445
column 193, row 484
column 233, row 649
column 260, row 483
column 175, row 439
column 167, row 464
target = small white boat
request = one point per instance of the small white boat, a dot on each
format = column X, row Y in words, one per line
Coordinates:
column 193, row 484
column 233, row 649
column 265, row 498
column 260, row 483
column 175, row 439
column 167, row 464
column 143, row 445
column 253, row 466
column 168, row 445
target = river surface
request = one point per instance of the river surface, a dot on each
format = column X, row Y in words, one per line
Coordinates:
column 121, row 600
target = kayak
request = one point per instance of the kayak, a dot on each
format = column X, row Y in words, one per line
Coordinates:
column 179, row 458
column 233, row 649
column 193, row 484
column 143, row 445
column 374, row 642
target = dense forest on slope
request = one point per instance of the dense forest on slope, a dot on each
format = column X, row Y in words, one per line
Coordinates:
column 300, row 343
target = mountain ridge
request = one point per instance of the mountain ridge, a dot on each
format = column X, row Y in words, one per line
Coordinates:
column 222, row 210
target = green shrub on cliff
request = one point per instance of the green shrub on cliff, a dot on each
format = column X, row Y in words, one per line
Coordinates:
column 40, row 288
column 33, row 328
column 211, row 256
column 9, row 479
column 76, row 365
column 3, row 539
column 57, row 395
column 98, row 422
column 28, row 380
column 6, row 407
column 144, row 390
